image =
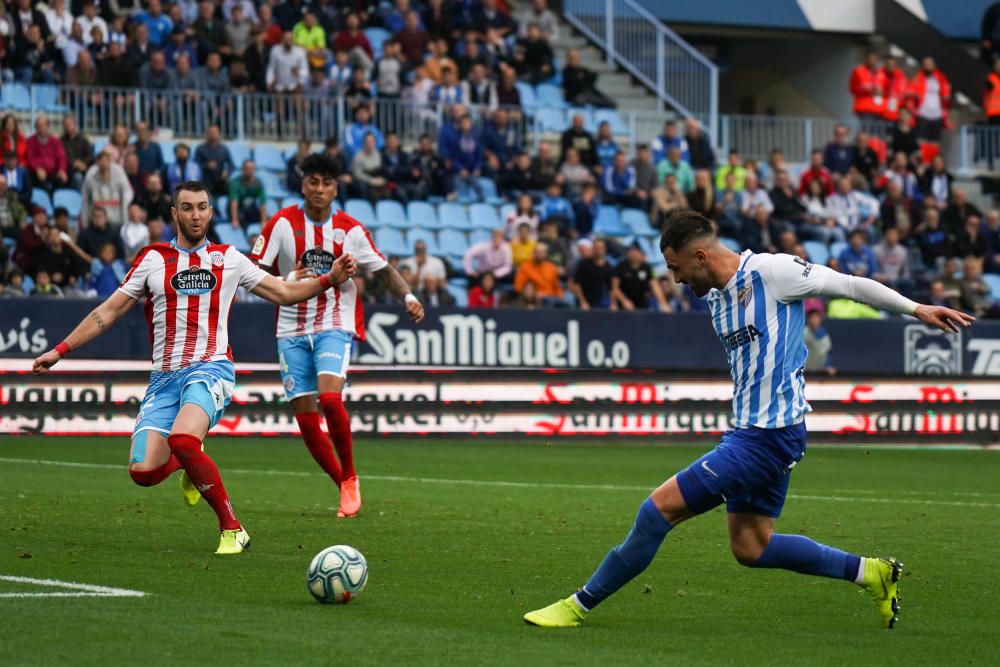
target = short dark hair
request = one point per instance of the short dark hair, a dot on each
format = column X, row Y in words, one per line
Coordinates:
column 319, row 163
column 191, row 186
column 682, row 227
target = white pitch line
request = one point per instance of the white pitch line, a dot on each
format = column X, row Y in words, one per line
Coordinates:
column 89, row 590
column 534, row 485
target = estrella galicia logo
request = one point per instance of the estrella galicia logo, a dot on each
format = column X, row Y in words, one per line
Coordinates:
column 194, row 281
column 318, row 260
column 929, row 351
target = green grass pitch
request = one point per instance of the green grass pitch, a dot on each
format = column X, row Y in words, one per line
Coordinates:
column 463, row 537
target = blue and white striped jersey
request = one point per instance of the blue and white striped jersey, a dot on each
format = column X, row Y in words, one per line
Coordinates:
column 760, row 318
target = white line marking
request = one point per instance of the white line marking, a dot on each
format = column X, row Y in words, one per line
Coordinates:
column 540, row 485
column 88, row 590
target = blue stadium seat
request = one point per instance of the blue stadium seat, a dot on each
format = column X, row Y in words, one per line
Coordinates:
column 454, row 216
column 422, row 214
column 550, row 96
column 272, row 184
column 613, row 118
column 377, row 37
column 425, row 235
column 68, row 199
column 240, row 153
column 551, row 120
column 391, row 243
column 390, row 213
column 479, row 235
column 362, row 211
column 732, row 244
column 28, row 284
column 47, row 98
column 232, row 236
column 609, row 223
column 254, row 229
column 292, row 200
column 638, row 221
column 489, row 188
column 461, row 296
column 993, row 280
column 837, row 248
column 100, row 142
column 222, row 208
column 273, row 206
column 269, row 158
column 527, row 92
column 505, row 211
column 484, row 216
column 817, row 251
column 40, row 197
column 452, row 242
column 289, row 152
column 15, row 96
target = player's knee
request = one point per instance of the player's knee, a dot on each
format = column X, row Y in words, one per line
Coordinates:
column 144, row 477
column 746, row 551
column 184, row 445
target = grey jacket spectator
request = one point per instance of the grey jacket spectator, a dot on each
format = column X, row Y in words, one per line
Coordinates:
column 105, row 185
column 539, row 14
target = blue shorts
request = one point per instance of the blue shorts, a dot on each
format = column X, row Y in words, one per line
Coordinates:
column 208, row 385
column 303, row 358
column 748, row 470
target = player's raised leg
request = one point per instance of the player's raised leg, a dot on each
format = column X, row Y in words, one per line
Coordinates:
column 151, row 460
column 338, row 423
column 185, row 440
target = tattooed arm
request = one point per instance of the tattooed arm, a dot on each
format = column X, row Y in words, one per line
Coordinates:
column 93, row 325
column 401, row 290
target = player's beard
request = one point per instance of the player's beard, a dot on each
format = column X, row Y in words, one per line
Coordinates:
column 193, row 234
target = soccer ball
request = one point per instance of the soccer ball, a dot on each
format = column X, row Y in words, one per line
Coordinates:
column 337, row 574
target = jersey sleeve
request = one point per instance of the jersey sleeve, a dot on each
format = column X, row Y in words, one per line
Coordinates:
column 134, row 283
column 360, row 244
column 265, row 249
column 250, row 275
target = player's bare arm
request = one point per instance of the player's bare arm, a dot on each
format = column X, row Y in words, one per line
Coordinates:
column 93, row 325
column 285, row 293
column 401, row 290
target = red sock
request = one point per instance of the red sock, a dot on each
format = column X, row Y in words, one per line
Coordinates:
column 156, row 475
column 318, row 444
column 205, row 476
column 338, row 422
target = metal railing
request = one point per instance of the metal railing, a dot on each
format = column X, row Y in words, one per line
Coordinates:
column 634, row 39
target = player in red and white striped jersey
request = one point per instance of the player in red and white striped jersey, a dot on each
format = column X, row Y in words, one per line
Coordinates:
column 315, row 337
column 189, row 287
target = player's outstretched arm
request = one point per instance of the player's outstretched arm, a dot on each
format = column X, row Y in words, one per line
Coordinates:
column 93, row 325
column 401, row 290
column 285, row 293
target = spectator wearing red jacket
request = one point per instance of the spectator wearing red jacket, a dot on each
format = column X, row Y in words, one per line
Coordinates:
column 930, row 96
column 354, row 41
column 868, row 99
column 11, row 138
column 484, row 295
column 816, row 171
column 893, row 84
column 45, row 158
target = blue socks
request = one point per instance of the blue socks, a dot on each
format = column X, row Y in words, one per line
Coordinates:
column 629, row 558
column 800, row 554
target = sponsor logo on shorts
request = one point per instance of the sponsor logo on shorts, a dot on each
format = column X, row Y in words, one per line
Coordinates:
column 330, row 355
column 290, row 383
column 704, row 464
column 194, row 281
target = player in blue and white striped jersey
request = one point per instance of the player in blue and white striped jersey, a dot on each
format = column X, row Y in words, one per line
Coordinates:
column 758, row 314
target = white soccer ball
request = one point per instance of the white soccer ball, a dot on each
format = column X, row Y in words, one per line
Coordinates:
column 337, row 574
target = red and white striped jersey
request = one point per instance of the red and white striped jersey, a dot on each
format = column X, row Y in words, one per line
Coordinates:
column 189, row 294
column 290, row 238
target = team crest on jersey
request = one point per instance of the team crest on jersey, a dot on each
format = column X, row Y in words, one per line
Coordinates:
column 744, row 295
column 318, row 260
column 216, row 258
column 339, row 236
column 194, row 281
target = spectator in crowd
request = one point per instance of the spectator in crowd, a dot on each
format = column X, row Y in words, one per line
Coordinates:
column 734, row 167
column 44, row 287
column 366, row 169
column 932, row 239
column 413, row 39
column 59, row 20
column 702, row 197
column 500, row 140
column 839, row 156
column 787, row 205
column 238, row 29
column 309, row 34
column 852, row 208
column 134, row 232
column 155, row 201
column 666, row 198
column 577, row 137
column 958, row 211
column 45, row 158
column 620, row 185
column 18, row 178
column 591, row 282
column 585, row 210
column 354, row 41
column 527, row 298
column 646, row 176
column 892, row 262
column 426, row 268
column 179, row 45
column 257, row 60
column 970, row 241
column 360, row 89
column 287, row 66
column 899, row 172
column 857, row 258
column 554, row 207
column 544, row 170
column 663, row 143
column 156, row 22
column 573, row 173
column 992, row 233
column 488, row 15
column 816, row 171
column 478, row 89
column 55, row 259
column 107, row 271
column 14, row 289
column 247, row 198
column 556, row 246
column 148, row 151
column 34, row 59
column 866, row 159
column 605, row 149
column 541, row 273
column 753, row 196
column 818, row 343
column 517, row 178
column 936, row 181
column 449, row 91
column 523, row 213
column 390, row 71
column 580, row 84
column 106, row 185
column 132, row 173
column 522, row 246
column 85, row 74
column 633, row 284
column 12, row 212
column 538, row 14
column 904, row 138
column 214, row 160
column 116, row 70
column 491, row 257
column 434, row 293
column 976, row 294
column 183, row 168
column 533, row 57
column 402, row 176
column 11, row 139
column 930, row 91
column 466, row 158
column 437, row 61
column 355, row 133
column 699, row 146
column 213, row 78
column 674, row 165
column 864, row 86
column 71, row 46
column 97, row 233
column 438, row 20
column 893, row 84
column 293, row 175
column 484, row 294
column 469, row 54
column 433, row 171
column 31, row 241
column 760, row 233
